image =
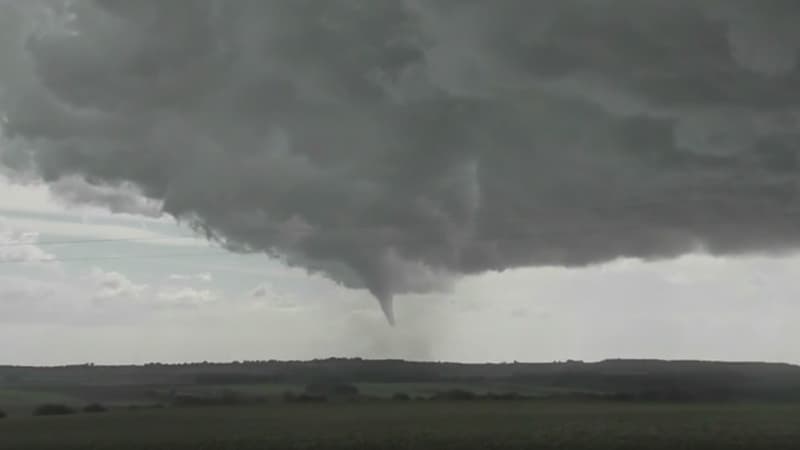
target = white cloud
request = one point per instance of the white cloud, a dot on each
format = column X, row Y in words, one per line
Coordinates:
column 18, row 246
column 26, row 299
column 31, row 197
column 111, row 286
column 261, row 291
column 184, row 297
column 696, row 306
column 265, row 296
column 204, row 277
column 89, row 298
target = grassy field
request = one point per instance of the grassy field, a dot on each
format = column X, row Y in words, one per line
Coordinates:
column 416, row 425
column 22, row 401
column 566, row 406
column 386, row 390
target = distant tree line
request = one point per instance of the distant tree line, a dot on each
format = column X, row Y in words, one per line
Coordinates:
column 58, row 409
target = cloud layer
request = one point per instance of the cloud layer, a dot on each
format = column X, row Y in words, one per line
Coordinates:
column 394, row 144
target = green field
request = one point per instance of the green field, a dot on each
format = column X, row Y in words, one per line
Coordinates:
column 21, row 401
column 417, row 425
column 386, row 390
column 348, row 404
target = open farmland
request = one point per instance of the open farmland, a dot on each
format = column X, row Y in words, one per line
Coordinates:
column 422, row 425
column 344, row 404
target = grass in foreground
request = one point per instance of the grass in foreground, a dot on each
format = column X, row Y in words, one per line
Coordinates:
column 20, row 401
column 418, row 425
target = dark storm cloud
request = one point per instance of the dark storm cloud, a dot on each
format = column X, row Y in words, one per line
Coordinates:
column 392, row 144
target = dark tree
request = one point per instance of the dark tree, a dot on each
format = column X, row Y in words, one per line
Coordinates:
column 94, row 408
column 332, row 389
column 291, row 397
column 52, row 409
column 401, row 397
column 455, row 395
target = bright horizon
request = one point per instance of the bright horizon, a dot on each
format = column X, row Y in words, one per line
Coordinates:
column 138, row 310
column 516, row 190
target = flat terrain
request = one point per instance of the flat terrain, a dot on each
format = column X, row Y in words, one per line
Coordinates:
column 22, row 401
column 417, row 425
column 348, row 404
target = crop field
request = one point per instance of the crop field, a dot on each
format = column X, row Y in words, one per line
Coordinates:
column 386, row 390
column 22, row 400
column 19, row 401
column 352, row 404
column 417, row 425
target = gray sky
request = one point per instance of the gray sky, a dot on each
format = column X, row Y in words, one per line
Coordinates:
column 219, row 307
column 522, row 180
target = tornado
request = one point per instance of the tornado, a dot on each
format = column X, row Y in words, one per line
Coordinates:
column 396, row 146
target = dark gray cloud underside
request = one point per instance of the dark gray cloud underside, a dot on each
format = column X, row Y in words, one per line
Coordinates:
column 393, row 144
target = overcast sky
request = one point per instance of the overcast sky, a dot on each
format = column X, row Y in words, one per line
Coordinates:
column 213, row 306
column 519, row 180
